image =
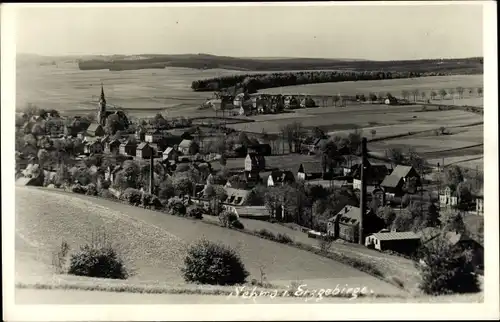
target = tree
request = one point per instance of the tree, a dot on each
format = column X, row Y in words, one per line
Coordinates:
column 273, row 202
column 243, row 139
column 415, row 93
column 452, row 220
column 423, row 95
column 403, row 221
column 373, row 97
column 223, row 160
column 194, row 148
column 442, row 93
column 405, row 94
column 479, row 91
column 395, row 155
column 43, row 157
column 446, row 268
column 373, row 132
column 460, row 91
column 387, row 214
column 433, row 95
column 335, row 99
column 453, row 176
column 113, row 124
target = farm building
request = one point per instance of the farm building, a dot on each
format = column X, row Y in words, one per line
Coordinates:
column 144, row 151
column 394, row 183
column 280, row 177
column 93, row 147
column 345, row 224
column 255, row 162
column 170, row 154
column 310, row 170
column 153, row 136
column 448, row 198
column 185, row 146
column 128, row 148
column 112, row 146
column 236, row 197
column 95, row 129
column 404, row 242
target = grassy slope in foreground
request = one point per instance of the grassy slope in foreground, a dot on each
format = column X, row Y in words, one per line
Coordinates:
column 154, row 243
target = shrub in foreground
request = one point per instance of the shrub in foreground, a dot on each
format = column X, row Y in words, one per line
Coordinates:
column 213, row 263
column 91, row 190
column 226, row 218
column 132, row 196
column 266, row 234
column 196, row 212
column 284, row 239
column 176, row 207
column 97, row 261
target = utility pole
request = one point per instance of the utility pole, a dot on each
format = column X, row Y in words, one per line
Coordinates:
column 362, row 198
column 151, row 174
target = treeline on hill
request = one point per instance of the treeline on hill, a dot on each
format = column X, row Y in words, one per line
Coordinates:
column 255, row 82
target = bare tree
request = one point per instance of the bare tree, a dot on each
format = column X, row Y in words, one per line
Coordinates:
column 460, row 91
column 405, row 94
column 415, row 93
column 423, row 96
column 433, row 95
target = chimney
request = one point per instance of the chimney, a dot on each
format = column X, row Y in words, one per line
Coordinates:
column 362, row 200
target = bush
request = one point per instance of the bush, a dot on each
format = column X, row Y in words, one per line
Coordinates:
column 176, row 207
column 446, row 269
column 106, row 194
column 266, row 234
column 91, row 189
column 150, row 201
column 77, row 188
column 226, row 218
column 132, row 196
column 237, row 224
column 97, row 261
column 196, row 212
column 284, row 239
column 213, row 263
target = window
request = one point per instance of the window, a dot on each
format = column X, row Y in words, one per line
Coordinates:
column 238, row 200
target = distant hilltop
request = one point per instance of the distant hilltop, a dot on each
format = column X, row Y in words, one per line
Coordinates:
column 205, row 61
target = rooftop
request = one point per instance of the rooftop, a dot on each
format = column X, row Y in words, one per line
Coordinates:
column 396, row 235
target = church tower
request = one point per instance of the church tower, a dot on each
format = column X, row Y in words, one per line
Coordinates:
column 101, row 114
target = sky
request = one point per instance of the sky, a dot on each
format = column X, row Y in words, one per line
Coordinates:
column 348, row 31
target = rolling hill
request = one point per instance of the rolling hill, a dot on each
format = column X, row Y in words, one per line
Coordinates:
column 154, row 244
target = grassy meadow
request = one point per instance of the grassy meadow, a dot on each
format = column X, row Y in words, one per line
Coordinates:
column 153, row 244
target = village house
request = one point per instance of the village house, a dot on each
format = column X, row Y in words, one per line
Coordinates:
column 310, row 170
column 185, row 146
column 448, row 198
column 153, row 136
column 95, row 129
column 280, row 177
column 144, row 151
column 345, row 224
column 128, row 148
column 394, row 183
column 112, row 146
column 93, row 147
column 255, row 162
column 405, row 242
column 170, row 154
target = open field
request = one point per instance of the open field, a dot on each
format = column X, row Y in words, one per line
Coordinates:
column 154, row 243
column 393, row 86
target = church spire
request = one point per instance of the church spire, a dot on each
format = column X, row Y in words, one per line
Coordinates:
column 103, row 99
